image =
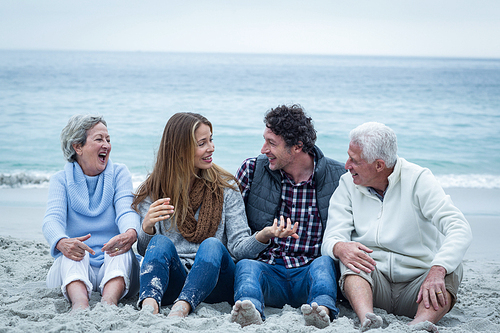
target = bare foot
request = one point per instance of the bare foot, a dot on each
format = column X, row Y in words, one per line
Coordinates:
column 108, row 301
column 245, row 313
column 315, row 315
column 77, row 307
column 78, row 296
column 371, row 321
column 150, row 305
column 113, row 290
column 425, row 326
column 180, row 309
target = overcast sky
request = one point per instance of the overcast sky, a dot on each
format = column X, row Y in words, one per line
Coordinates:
column 448, row 28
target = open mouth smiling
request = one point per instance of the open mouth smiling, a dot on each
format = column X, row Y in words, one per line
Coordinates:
column 102, row 157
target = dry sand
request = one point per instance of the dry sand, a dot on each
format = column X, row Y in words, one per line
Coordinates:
column 26, row 305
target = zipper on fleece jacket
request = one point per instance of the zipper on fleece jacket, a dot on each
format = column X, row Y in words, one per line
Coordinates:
column 390, row 266
column 390, row 259
column 381, row 211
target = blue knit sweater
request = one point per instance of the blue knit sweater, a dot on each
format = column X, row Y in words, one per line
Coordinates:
column 79, row 204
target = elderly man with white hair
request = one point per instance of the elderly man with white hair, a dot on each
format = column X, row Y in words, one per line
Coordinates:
column 398, row 236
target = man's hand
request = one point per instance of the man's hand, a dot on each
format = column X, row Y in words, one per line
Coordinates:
column 280, row 231
column 433, row 290
column 354, row 256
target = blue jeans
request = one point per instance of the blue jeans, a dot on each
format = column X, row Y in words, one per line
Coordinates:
column 276, row 285
column 164, row 278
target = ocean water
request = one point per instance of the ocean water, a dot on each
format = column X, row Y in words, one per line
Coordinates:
column 446, row 112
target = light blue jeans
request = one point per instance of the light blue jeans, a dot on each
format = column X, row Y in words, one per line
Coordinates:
column 276, row 285
column 164, row 278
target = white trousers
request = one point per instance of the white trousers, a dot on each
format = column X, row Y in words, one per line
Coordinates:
column 64, row 271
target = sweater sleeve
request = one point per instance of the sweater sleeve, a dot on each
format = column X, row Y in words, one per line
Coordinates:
column 126, row 217
column 240, row 243
column 55, row 219
column 340, row 222
column 143, row 238
column 438, row 208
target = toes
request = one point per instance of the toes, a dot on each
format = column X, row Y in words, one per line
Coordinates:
column 246, row 305
column 371, row 321
column 306, row 309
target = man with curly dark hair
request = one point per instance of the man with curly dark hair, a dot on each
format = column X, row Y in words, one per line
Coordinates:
column 290, row 181
column 293, row 125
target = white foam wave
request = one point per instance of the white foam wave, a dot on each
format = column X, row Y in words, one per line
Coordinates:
column 41, row 180
column 469, row 181
column 25, row 180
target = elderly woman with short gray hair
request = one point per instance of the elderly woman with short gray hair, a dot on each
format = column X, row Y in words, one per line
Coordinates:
column 89, row 223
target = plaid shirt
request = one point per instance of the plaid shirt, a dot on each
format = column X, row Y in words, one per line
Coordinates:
column 298, row 202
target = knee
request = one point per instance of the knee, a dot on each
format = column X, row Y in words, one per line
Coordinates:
column 324, row 260
column 323, row 263
column 67, row 261
column 323, row 266
column 210, row 250
column 243, row 265
column 211, row 244
column 159, row 240
column 247, row 268
column 159, row 245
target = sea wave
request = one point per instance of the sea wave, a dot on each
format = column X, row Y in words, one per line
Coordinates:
column 469, row 181
column 24, row 179
column 41, row 180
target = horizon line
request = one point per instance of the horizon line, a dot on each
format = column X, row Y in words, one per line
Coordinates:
column 260, row 53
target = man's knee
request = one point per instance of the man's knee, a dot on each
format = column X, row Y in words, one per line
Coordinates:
column 247, row 267
column 324, row 261
column 323, row 268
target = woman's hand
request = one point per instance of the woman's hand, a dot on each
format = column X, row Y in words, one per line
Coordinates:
column 74, row 248
column 120, row 243
column 280, row 231
column 158, row 211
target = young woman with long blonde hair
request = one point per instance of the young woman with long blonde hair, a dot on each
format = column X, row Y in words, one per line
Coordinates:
column 193, row 219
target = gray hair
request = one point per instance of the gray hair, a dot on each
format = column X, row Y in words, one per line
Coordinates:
column 75, row 132
column 376, row 141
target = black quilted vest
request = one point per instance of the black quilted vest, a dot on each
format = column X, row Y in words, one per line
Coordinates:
column 264, row 199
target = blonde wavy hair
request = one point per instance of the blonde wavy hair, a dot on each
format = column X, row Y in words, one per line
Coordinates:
column 174, row 168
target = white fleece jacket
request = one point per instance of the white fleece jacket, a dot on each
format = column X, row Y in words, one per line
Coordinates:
column 415, row 227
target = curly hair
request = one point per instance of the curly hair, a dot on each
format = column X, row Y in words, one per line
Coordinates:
column 293, row 125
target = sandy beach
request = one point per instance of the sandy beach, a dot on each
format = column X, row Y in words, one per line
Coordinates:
column 27, row 305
